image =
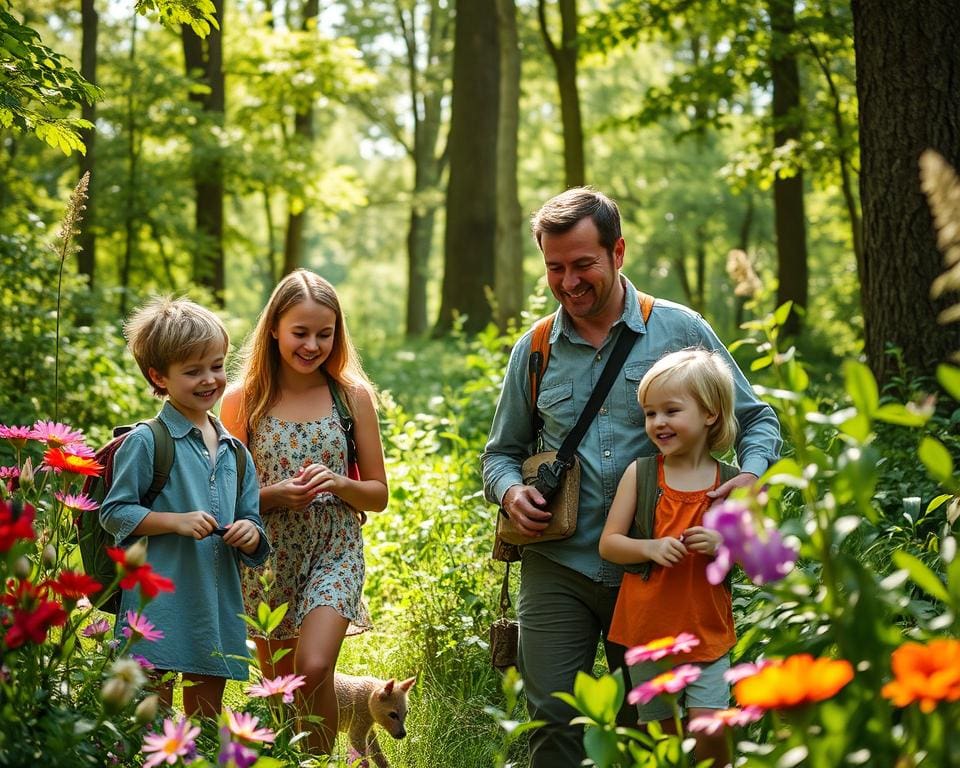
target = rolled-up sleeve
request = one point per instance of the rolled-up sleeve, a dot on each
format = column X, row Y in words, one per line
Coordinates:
column 121, row 511
column 248, row 508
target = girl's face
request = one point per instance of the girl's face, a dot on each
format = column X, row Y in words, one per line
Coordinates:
column 675, row 422
column 304, row 335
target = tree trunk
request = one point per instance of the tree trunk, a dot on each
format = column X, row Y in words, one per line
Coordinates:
column 131, row 199
column 471, row 207
column 204, row 57
column 564, row 58
column 303, row 131
column 509, row 290
column 908, row 66
column 789, row 217
column 87, row 240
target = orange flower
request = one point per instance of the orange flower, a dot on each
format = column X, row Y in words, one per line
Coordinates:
column 926, row 673
column 60, row 460
column 793, row 682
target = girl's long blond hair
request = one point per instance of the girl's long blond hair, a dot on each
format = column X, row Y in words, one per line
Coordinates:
column 260, row 356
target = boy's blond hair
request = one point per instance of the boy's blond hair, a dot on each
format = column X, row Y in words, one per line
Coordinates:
column 707, row 378
column 165, row 331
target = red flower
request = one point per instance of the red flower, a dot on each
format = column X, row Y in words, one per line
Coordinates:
column 13, row 526
column 33, row 625
column 62, row 461
column 151, row 583
column 71, row 585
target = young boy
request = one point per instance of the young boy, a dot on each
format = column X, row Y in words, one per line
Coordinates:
column 201, row 525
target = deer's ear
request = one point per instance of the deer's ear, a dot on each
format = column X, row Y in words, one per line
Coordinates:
column 387, row 688
column 407, row 684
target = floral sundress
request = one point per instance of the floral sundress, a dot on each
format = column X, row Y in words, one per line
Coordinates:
column 317, row 556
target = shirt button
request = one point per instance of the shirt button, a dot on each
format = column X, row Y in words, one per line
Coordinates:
column 213, row 478
column 597, row 360
column 606, row 454
column 603, row 411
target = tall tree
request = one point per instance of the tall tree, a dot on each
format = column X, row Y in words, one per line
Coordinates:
column 908, row 65
column 203, row 57
column 470, row 235
column 788, row 205
column 89, row 24
column 508, row 271
column 564, row 55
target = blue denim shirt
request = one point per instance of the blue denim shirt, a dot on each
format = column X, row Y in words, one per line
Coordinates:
column 200, row 620
column 617, row 435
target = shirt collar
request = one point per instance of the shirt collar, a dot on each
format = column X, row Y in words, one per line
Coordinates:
column 180, row 426
column 631, row 316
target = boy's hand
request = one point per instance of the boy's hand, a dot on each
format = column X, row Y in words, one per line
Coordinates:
column 243, row 535
column 194, row 525
column 667, row 551
column 702, row 540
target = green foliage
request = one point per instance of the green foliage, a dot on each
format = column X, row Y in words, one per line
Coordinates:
column 200, row 15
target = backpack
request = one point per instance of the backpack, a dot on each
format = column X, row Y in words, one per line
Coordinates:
column 93, row 538
column 346, row 423
column 648, row 494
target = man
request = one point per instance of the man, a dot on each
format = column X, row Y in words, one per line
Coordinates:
column 567, row 592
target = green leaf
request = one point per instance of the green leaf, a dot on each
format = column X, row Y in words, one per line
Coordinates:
column 599, row 699
column 895, row 413
column 601, row 747
column 782, row 313
column 861, row 386
column 937, row 502
column 857, row 427
column 936, row 458
column 922, row 576
column 761, row 362
column 949, row 378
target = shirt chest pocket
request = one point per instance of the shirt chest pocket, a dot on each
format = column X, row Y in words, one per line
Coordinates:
column 632, row 374
column 556, row 407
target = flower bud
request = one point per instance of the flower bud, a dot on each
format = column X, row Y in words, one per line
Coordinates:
column 26, row 475
column 146, row 710
column 22, row 568
column 115, row 694
column 137, row 554
column 49, row 556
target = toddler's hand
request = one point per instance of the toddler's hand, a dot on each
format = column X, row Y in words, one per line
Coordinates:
column 667, row 551
column 194, row 525
column 243, row 535
column 702, row 540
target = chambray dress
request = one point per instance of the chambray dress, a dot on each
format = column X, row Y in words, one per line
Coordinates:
column 200, row 620
column 317, row 557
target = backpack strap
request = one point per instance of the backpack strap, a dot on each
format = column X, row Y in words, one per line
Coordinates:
column 163, row 450
column 345, row 417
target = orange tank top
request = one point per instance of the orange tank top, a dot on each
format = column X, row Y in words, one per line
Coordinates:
column 677, row 599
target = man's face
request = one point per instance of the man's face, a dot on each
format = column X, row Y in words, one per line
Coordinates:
column 582, row 275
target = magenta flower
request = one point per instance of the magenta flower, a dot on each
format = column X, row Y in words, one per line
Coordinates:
column 748, row 669
column 176, row 741
column 16, row 435
column 55, row 434
column 244, row 726
column 664, row 646
column 143, row 661
column 78, row 502
column 673, row 681
column 97, row 629
column 284, row 684
column 725, row 718
column 82, row 450
column 139, row 628
column 762, row 554
column 9, row 473
column 233, row 754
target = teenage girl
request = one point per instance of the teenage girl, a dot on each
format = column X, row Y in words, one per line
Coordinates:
column 282, row 408
column 688, row 401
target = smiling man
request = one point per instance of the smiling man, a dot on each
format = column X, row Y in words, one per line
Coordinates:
column 567, row 592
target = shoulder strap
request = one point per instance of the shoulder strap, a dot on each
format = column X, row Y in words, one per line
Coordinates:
column 163, row 450
column 346, row 418
column 648, row 494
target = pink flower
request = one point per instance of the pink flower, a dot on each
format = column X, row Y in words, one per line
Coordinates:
column 16, row 435
column 97, row 629
column 143, row 661
column 739, row 672
column 244, row 726
column 9, row 473
column 82, row 450
column 78, row 502
column 725, row 718
column 55, row 434
column 285, row 684
column 673, row 681
column 176, row 741
column 664, row 646
column 758, row 547
column 138, row 627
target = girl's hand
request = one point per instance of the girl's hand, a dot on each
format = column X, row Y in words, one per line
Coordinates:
column 667, row 551
column 243, row 535
column 193, row 525
column 295, row 492
column 702, row 540
column 323, row 479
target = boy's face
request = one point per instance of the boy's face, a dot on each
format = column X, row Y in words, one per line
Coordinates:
column 194, row 385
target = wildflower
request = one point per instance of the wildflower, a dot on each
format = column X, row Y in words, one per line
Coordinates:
column 126, row 678
column 55, row 434
column 793, row 682
column 925, row 673
column 151, row 583
column 9, row 473
column 724, row 718
column 78, row 502
column 737, row 673
column 244, row 726
column 72, row 585
column 285, row 684
column 17, row 436
column 143, row 661
column 26, row 475
column 82, row 450
column 673, row 681
column 762, row 554
column 96, row 629
column 665, row 646
column 16, row 523
column 31, row 614
column 138, row 627
column 176, row 741
column 233, row 753
column 147, row 709
column 58, row 460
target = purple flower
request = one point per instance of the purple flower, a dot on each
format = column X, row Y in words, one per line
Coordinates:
column 762, row 554
column 234, row 754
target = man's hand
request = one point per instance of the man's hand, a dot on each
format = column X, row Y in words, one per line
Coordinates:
column 743, row 480
column 523, row 504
